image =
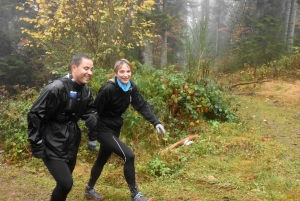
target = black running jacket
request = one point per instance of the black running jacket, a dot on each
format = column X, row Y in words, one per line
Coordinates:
column 53, row 131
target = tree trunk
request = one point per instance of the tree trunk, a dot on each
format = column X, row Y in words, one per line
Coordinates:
column 147, row 53
column 218, row 27
column 287, row 7
column 164, row 45
column 291, row 25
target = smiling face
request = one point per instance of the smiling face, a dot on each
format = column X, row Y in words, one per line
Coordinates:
column 123, row 72
column 83, row 72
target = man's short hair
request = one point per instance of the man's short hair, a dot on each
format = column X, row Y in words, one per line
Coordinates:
column 77, row 58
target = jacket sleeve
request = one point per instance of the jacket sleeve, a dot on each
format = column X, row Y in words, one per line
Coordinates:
column 143, row 107
column 41, row 110
column 90, row 109
column 102, row 98
column 90, row 106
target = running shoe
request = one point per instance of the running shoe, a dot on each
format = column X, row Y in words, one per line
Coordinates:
column 91, row 194
column 140, row 197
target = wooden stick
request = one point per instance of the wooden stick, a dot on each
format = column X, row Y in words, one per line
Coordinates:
column 181, row 142
column 245, row 83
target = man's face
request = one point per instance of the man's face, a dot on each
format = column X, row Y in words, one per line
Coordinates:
column 124, row 73
column 83, row 72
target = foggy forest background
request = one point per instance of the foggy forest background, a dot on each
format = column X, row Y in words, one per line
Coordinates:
column 39, row 37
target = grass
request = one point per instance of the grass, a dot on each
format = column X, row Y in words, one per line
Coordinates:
column 253, row 160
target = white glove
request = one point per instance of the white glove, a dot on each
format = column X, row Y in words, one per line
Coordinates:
column 92, row 145
column 161, row 129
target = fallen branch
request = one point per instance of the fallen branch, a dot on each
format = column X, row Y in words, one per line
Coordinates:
column 245, row 83
column 177, row 144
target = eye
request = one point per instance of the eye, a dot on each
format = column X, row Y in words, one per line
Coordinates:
column 87, row 69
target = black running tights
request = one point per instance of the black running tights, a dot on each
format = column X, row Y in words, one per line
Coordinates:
column 62, row 173
column 111, row 144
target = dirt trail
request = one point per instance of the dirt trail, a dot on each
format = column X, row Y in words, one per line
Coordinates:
column 276, row 105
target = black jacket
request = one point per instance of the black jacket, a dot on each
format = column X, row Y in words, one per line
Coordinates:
column 111, row 102
column 50, row 121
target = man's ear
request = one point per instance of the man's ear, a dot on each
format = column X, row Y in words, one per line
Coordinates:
column 73, row 67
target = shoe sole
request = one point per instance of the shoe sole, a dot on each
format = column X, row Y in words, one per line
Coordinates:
column 91, row 198
column 150, row 199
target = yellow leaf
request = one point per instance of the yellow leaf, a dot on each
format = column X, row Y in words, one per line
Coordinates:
column 192, row 124
column 122, row 54
column 19, row 8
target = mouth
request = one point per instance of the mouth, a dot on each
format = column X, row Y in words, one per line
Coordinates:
column 87, row 78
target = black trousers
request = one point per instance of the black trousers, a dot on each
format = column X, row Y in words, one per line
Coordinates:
column 62, row 173
column 110, row 143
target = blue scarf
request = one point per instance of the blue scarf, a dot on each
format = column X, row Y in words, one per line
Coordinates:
column 123, row 86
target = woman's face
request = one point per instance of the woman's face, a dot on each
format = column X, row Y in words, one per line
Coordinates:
column 124, row 73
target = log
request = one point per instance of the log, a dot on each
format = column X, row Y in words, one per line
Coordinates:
column 179, row 143
column 245, row 83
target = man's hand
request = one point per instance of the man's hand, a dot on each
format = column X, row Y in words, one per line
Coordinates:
column 161, row 129
column 38, row 149
column 91, row 120
column 92, row 145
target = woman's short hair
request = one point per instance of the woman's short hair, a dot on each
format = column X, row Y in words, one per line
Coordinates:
column 120, row 63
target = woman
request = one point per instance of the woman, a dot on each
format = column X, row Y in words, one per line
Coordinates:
column 111, row 102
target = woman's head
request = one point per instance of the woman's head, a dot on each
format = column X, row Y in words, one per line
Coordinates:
column 120, row 63
column 122, row 70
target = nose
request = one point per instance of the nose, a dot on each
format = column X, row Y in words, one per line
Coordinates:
column 90, row 72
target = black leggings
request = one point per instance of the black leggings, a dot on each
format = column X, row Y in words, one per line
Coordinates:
column 62, row 173
column 111, row 144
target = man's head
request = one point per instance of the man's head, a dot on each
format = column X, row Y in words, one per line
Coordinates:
column 82, row 68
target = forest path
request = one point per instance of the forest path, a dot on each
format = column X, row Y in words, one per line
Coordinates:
column 275, row 105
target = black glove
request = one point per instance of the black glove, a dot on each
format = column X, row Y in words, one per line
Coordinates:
column 38, row 149
column 91, row 120
column 92, row 145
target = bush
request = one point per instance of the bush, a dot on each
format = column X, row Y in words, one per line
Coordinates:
column 14, row 125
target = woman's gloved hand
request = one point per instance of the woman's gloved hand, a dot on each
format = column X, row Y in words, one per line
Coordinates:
column 161, row 129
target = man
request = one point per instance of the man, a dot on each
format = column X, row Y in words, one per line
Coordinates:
column 53, row 131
